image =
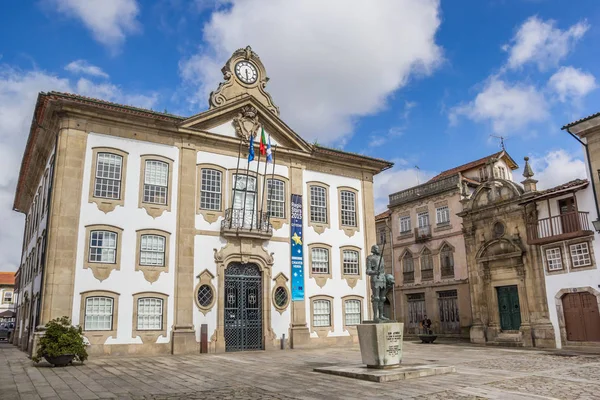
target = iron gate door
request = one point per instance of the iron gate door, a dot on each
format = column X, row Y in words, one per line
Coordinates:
column 448, row 306
column 243, row 307
column 509, row 308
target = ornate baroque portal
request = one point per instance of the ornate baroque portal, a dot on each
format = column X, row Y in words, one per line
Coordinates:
column 244, row 270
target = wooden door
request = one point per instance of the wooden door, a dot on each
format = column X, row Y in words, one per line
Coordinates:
column 509, row 308
column 416, row 311
column 448, row 308
column 582, row 318
column 568, row 218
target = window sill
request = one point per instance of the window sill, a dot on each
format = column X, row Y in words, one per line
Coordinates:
column 405, row 235
column 444, row 227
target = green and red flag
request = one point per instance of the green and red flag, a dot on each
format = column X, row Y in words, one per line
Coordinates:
column 263, row 142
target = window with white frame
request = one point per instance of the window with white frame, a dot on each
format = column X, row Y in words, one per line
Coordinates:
column 348, row 201
column 320, row 260
column 554, row 259
column 318, row 204
column 98, row 314
column 442, row 215
column 350, row 262
column 405, row 224
column 423, row 219
column 580, row 255
column 150, row 313
column 321, row 313
column 108, row 176
column 276, row 198
column 156, row 178
column 8, row 297
column 103, row 247
column 152, row 250
column 352, row 308
column 210, row 189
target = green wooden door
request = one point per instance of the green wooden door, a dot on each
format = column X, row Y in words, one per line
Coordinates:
column 509, row 309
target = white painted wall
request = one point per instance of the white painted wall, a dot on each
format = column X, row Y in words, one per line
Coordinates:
column 227, row 129
column 130, row 218
column 336, row 238
column 573, row 278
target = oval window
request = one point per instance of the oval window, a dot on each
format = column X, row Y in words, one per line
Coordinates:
column 205, row 296
column 498, row 229
column 281, row 297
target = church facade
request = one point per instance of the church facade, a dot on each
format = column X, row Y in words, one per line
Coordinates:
column 224, row 231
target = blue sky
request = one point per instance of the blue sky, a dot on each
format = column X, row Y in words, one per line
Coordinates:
column 421, row 82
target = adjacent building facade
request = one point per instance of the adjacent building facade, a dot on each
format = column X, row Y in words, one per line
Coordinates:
column 157, row 235
column 7, row 296
column 429, row 249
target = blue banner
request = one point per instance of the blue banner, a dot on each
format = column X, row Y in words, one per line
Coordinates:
column 297, row 249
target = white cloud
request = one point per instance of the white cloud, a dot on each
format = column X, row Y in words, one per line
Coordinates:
column 541, row 43
column 85, row 68
column 109, row 20
column 506, row 106
column 572, row 83
column 325, row 69
column 557, row 167
column 18, row 94
column 396, row 179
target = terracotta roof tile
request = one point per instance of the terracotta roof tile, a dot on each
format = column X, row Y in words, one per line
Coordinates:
column 464, row 167
column 569, row 185
column 383, row 215
column 7, row 278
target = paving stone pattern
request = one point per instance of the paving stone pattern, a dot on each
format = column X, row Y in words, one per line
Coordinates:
column 482, row 373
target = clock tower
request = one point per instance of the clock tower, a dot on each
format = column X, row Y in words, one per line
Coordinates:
column 243, row 74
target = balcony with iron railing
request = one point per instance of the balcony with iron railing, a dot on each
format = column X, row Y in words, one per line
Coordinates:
column 427, row 274
column 425, row 190
column 246, row 223
column 559, row 227
column 423, row 233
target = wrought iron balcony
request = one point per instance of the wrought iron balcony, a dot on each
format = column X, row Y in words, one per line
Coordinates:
column 447, row 272
column 559, row 227
column 426, row 274
column 423, row 233
column 409, row 277
column 246, row 223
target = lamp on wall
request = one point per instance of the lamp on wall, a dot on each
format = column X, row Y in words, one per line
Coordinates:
column 596, row 224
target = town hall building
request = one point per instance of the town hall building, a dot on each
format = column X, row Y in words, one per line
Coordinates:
column 157, row 235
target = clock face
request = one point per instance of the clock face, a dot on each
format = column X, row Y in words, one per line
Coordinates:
column 246, row 72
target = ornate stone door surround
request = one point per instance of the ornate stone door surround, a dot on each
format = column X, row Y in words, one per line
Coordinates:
column 243, row 250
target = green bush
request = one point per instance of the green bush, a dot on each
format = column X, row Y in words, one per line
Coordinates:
column 61, row 338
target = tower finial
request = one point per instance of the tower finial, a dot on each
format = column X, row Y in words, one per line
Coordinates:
column 527, row 171
column 529, row 184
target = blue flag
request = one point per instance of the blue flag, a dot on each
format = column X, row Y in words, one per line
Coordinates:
column 269, row 154
column 251, row 150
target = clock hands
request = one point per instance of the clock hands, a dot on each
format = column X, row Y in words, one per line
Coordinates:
column 247, row 78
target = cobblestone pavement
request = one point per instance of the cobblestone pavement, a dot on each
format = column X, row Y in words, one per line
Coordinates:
column 482, row 373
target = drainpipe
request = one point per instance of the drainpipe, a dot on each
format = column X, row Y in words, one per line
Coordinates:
column 587, row 156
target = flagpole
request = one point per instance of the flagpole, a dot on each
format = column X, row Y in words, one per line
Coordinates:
column 263, row 202
column 272, row 178
column 237, row 171
column 257, row 182
column 251, row 148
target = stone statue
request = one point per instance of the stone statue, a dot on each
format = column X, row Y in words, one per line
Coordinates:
column 380, row 283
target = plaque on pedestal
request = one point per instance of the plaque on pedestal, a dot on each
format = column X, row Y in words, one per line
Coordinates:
column 381, row 344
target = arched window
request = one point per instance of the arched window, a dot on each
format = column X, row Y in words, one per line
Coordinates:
column 426, row 265
column 408, row 267
column 447, row 261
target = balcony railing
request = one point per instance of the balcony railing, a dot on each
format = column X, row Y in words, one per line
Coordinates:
column 559, row 227
column 447, row 272
column 409, row 277
column 425, row 189
column 426, row 274
column 246, row 223
column 423, row 233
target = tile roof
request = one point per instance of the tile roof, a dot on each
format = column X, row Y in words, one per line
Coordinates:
column 581, row 120
column 576, row 183
column 109, row 105
column 7, row 278
column 383, row 215
column 464, row 167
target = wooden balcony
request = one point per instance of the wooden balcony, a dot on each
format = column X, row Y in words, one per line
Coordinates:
column 246, row 223
column 560, row 227
column 423, row 233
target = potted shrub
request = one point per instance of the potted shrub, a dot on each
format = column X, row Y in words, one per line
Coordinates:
column 61, row 343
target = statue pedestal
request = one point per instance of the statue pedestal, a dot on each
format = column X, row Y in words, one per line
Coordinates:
column 381, row 344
